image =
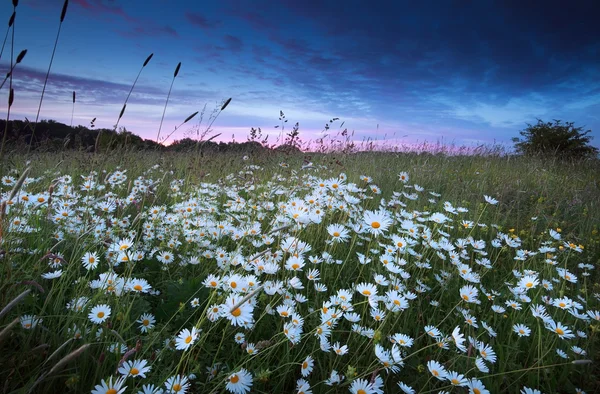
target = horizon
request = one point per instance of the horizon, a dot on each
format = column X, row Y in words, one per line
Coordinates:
column 464, row 75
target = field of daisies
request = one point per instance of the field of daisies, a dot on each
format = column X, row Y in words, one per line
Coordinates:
column 362, row 274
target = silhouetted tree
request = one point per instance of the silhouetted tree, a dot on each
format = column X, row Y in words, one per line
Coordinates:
column 555, row 140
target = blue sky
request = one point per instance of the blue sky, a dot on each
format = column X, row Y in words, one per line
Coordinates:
column 462, row 72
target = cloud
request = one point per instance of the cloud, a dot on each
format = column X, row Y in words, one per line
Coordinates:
column 104, row 7
column 200, row 21
column 233, row 43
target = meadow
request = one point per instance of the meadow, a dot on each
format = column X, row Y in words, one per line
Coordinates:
column 371, row 272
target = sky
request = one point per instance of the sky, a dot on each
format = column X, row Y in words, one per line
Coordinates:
column 396, row 72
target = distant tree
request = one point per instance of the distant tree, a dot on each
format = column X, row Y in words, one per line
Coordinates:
column 555, row 139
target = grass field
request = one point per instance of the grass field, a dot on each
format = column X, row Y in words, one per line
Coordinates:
column 364, row 273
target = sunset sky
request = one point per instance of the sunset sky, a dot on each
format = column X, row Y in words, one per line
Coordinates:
column 467, row 72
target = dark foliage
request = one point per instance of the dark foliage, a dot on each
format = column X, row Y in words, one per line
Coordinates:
column 555, row 140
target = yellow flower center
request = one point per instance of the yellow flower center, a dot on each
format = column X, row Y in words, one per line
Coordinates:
column 146, row 322
column 100, row 315
column 111, row 391
column 375, row 225
column 188, row 339
column 234, row 379
column 295, row 266
column 361, row 391
column 366, row 292
column 559, row 331
column 233, row 285
column 138, row 287
column 236, row 312
column 176, row 387
column 134, row 371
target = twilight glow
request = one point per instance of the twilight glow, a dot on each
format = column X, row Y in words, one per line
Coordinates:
column 458, row 71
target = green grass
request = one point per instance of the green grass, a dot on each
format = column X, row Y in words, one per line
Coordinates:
column 559, row 196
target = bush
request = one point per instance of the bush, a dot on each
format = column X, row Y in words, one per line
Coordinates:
column 557, row 140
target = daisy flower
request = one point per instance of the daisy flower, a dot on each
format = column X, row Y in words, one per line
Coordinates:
column 146, row 321
column 177, row 384
column 528, row 282
column 303, row 387
column 340, row 350
column 307, row 366
column 99, row 314
column 135, row 368
column 476, row 387
column 240, row 315
column 29, row 321
column 469, row 294
column 110, row 387
column 90, row 261
column 338, row 232
column 367, row 289
column 527, row 390
column 403, row 177
column 459, row 339
column 490, row 200
column 457, row 379
column 239, row 382
column 563, row 331
column 432, row 331
column 377, row 221
column 186, row 338
column 361, row 386
column 437, row 370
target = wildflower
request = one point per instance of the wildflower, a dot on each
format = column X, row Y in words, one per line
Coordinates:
column 146, row 321
column 476, row 387
column 457, row 379
column 90, row 261
column 307, row 366
column 138, row 285
column 377, row 221
column 527, row 390
column 340, row 350
column 433, row 331
column 186, row 338
column 522, row 330
column 459, row 339
column 487, row 352
column 528, row 282
column 469, row 294
column 480, row 364
column 361, row 386
column 403, row 177
column 367, row 289
column 99, row 314
column 239, row 382
column 563, row 331
column 490, row 200
column 135, row 368
column 303, row 387
column 110, row 387
column 406, row 388
column 338, row 232
column 239, row 316
column 177, row 384
column 437, row 370
column 29, row 321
